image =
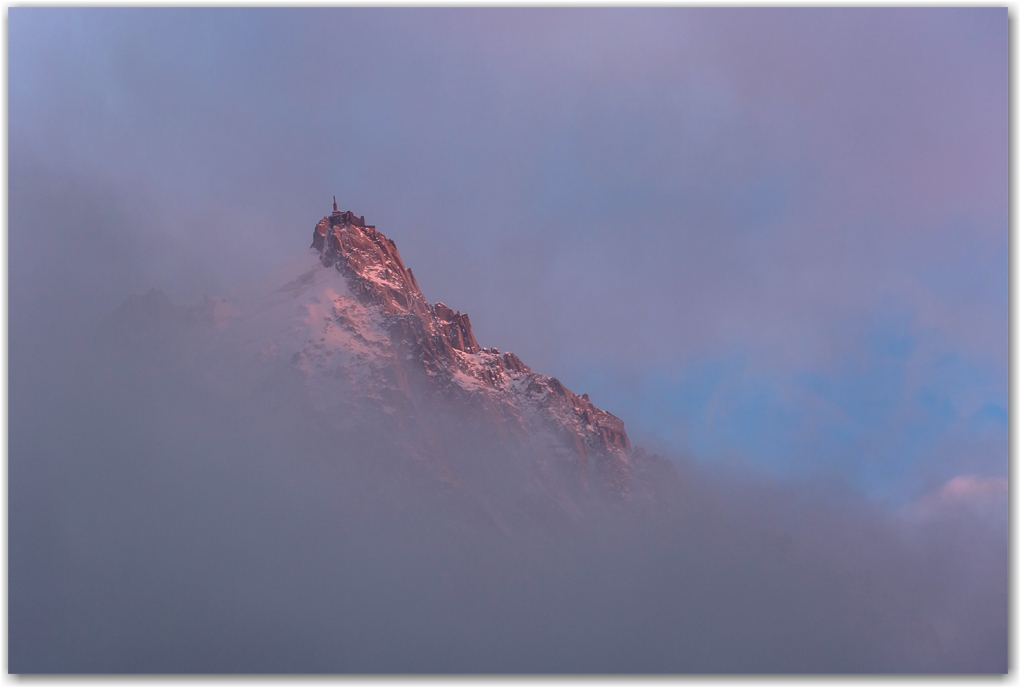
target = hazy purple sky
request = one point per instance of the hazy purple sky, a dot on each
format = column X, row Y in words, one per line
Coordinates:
column 774, row 239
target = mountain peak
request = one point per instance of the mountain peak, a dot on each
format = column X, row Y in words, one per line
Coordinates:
column 347, row 329
column 440, row 339
column 377, row 275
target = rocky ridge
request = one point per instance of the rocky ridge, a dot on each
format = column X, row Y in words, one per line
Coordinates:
column 439, row 342
column 344, row 337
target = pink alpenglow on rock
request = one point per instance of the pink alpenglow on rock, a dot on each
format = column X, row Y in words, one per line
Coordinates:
column 436, row 344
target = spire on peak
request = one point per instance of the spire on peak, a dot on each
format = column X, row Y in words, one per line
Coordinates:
column 339, row 219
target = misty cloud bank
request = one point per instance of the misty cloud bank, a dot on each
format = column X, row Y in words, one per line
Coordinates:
column 160, row 523
column 776, row 233
column 710, row 216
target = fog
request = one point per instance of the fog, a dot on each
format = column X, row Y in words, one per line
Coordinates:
column 625, row 198
column 772, row 242
column 159, row 524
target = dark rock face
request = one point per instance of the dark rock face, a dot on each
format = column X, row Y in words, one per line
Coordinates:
column 438, row 344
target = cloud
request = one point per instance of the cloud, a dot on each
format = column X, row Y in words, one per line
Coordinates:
column 964, row 495
column 772, row 234
column 170, row 524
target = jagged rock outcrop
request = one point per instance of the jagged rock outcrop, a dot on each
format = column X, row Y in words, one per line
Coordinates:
column 441, row 344
column 345, row 333
column 372, row 266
